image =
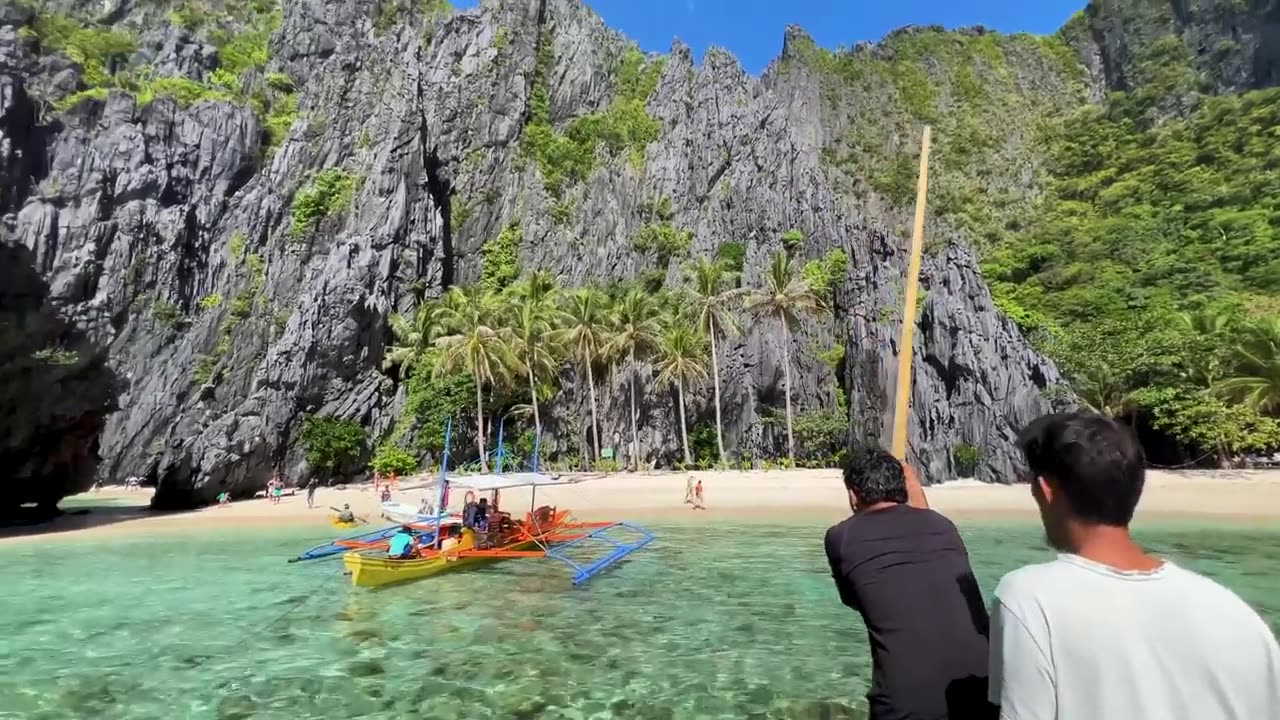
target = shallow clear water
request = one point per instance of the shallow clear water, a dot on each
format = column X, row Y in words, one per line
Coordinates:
column 707, row 622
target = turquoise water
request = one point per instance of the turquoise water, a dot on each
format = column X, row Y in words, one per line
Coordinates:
column 707, row 622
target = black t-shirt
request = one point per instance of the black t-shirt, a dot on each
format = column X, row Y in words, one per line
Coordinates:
column 907, row 572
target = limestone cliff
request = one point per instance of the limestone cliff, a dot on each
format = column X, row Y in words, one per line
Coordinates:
column 164, row 214
column 55, row 394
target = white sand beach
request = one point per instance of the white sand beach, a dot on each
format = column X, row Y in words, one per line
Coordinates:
column 760, row 496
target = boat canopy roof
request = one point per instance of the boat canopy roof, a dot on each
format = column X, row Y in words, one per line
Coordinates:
column 485, row 483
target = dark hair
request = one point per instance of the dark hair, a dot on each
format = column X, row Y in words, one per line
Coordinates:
column 1095, row 461
column 874, row 475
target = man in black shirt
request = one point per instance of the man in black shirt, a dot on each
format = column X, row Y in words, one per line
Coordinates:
column 904, row 568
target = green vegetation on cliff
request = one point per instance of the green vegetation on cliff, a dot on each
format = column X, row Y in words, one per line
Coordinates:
column 566, row 156
column 1137, row 242
column 239, row 34
column 1163, row 238
column 986, row 96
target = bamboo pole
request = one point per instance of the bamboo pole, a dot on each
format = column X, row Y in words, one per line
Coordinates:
column 902, row 403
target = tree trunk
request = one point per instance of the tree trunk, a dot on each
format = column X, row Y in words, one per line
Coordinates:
column 484, row 462
column 595, row 424
column 533, row 397
column 684, row 432
column 786, row 376
column 715, row 370
column 635, row 438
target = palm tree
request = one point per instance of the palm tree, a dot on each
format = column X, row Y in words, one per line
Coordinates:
column 1256, row 368
column 473, row 344
column 682, row 360
column 635, row 330
column 712, row 303
column 786, row 296
column 413, row 337
column 584, row 337
column 534, row 317
column 1208, row 328
column 1103, row 390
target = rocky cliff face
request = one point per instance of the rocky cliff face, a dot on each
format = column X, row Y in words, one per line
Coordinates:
column 164, row 224
column 55, row 394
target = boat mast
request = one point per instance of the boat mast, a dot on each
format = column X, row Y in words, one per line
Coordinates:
column 533, row 491
column 902, row 400
column 444, row 478
column 497, row 463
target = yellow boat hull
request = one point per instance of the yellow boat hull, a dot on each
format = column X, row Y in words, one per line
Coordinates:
column 377, row 571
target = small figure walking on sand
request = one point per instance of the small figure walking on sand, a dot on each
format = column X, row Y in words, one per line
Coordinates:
column 224, row 499
column 276, row 488
column 377, row 481
column 311, row 492
column 688, row 490
column 697, row 497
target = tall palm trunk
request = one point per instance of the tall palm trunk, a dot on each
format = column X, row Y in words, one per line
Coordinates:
column 595, row 424
column 635, row 438
column 715, row 370
column 484, row 462
column 786, row 375
column 684, row 432
column 533, row 397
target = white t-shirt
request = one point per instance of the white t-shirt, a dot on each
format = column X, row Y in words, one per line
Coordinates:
column 1076, row 640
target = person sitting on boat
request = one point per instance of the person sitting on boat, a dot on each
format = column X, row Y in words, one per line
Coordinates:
column 344, row 515
column 481, row 530
column 482, row 513
column 403, row 545
column 452, row 539
column 469, row 512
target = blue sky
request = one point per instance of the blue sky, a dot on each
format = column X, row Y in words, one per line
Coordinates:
column 752, row 29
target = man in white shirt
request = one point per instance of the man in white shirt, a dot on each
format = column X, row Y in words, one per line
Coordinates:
column 1107, row 631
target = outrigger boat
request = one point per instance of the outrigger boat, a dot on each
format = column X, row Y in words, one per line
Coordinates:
column 545, row 532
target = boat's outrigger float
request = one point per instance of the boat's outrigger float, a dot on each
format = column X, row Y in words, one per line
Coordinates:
column 447, row 543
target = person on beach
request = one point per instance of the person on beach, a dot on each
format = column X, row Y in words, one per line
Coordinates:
column 698, row 504
column 1107, row 630
column 905, row 570
column 311, row 492
column 688, row 490
column 386, row 493
column 224, row 498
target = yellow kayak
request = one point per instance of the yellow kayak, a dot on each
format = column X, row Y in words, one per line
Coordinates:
column 371, row 570
column 343, row 525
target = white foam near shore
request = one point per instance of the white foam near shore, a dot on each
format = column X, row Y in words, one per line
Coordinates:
column 779, row 495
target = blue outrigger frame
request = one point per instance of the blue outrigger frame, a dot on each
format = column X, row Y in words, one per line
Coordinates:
column 583, row 570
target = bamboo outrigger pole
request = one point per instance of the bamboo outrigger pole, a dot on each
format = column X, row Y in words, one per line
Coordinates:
column 902, row 404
